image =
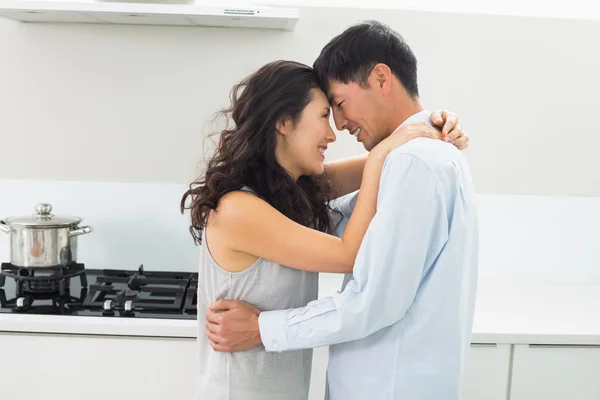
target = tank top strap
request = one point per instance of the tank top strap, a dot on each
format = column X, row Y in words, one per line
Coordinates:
column 248, row 190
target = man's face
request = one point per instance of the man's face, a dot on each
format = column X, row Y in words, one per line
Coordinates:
column 358, row 110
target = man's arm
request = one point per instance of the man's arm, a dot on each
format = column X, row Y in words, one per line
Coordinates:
column 342, row 209
column 407, row 233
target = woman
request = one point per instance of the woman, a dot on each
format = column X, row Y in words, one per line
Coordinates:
column 262, row 213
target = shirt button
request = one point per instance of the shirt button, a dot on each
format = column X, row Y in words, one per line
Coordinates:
column 275, row 345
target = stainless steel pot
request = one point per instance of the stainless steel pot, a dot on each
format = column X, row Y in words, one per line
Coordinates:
column 43, row 240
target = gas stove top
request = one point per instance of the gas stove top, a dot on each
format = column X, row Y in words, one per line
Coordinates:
column 110, row 293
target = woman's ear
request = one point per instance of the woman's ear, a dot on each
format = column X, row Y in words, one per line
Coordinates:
column 284, row 126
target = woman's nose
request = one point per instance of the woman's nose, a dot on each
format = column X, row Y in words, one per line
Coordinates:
column 330, row 135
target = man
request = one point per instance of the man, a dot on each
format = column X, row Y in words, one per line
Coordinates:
column 401, row 327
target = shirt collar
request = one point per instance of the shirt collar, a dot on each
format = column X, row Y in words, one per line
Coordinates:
column 421, row 116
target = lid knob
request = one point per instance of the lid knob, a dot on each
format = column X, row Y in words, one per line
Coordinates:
column 43, row 209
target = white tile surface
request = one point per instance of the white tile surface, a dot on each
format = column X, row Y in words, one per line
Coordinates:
column 134, row 223
column 523, row 238
column 539, row 238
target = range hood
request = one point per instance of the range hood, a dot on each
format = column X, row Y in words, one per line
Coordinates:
column 101, row 12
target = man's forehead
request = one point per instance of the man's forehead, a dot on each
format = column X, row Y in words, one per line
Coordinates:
column 336, row 89
column 331, row 96
column 333, row 90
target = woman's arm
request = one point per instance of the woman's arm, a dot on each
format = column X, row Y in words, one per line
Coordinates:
column 346, row 174
column 253, row 227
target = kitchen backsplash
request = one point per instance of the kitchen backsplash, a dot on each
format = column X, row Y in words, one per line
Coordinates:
column 523, row 238
column 539, row 238
column 134, row 223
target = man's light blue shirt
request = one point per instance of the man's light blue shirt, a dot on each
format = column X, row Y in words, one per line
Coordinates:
column 401, row 327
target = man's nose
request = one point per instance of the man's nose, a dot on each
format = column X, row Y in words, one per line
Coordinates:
column 339, row 119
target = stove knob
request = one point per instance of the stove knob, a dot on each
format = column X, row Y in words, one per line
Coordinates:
column 107, row 308
column 21, row 302
column 128, row 306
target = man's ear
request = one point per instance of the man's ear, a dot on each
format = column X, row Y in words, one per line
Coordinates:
column 381, row 78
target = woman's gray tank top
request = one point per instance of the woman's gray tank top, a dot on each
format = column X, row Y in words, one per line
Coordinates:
column 254, row 374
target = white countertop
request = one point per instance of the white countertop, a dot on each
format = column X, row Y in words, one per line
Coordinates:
column 505, row 313
column 537, row 314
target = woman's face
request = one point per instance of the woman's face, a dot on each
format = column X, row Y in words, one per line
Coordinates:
column 301, row 148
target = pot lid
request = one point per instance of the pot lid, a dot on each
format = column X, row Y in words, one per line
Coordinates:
column 43, row 218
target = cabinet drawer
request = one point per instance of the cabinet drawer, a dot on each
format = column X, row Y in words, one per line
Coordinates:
column 548, row 372
column 486, row 372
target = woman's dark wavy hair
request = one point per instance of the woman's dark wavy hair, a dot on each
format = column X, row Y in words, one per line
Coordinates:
column 245, row 154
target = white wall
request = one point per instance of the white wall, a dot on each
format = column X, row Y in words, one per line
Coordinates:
column 117, row 114
column 583, row 9
column 128, row 103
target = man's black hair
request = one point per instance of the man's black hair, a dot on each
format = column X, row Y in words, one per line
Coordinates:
column 350, row 56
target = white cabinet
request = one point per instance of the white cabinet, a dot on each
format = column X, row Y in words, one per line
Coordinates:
column 75, row 367
column 544, row 372
column 318, row 376
column 486, row 373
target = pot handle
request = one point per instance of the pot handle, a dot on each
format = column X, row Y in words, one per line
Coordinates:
column 4, row 227
column 81, row 231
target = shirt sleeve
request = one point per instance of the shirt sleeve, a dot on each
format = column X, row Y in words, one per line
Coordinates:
column 341, row 211
column 403, row 239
